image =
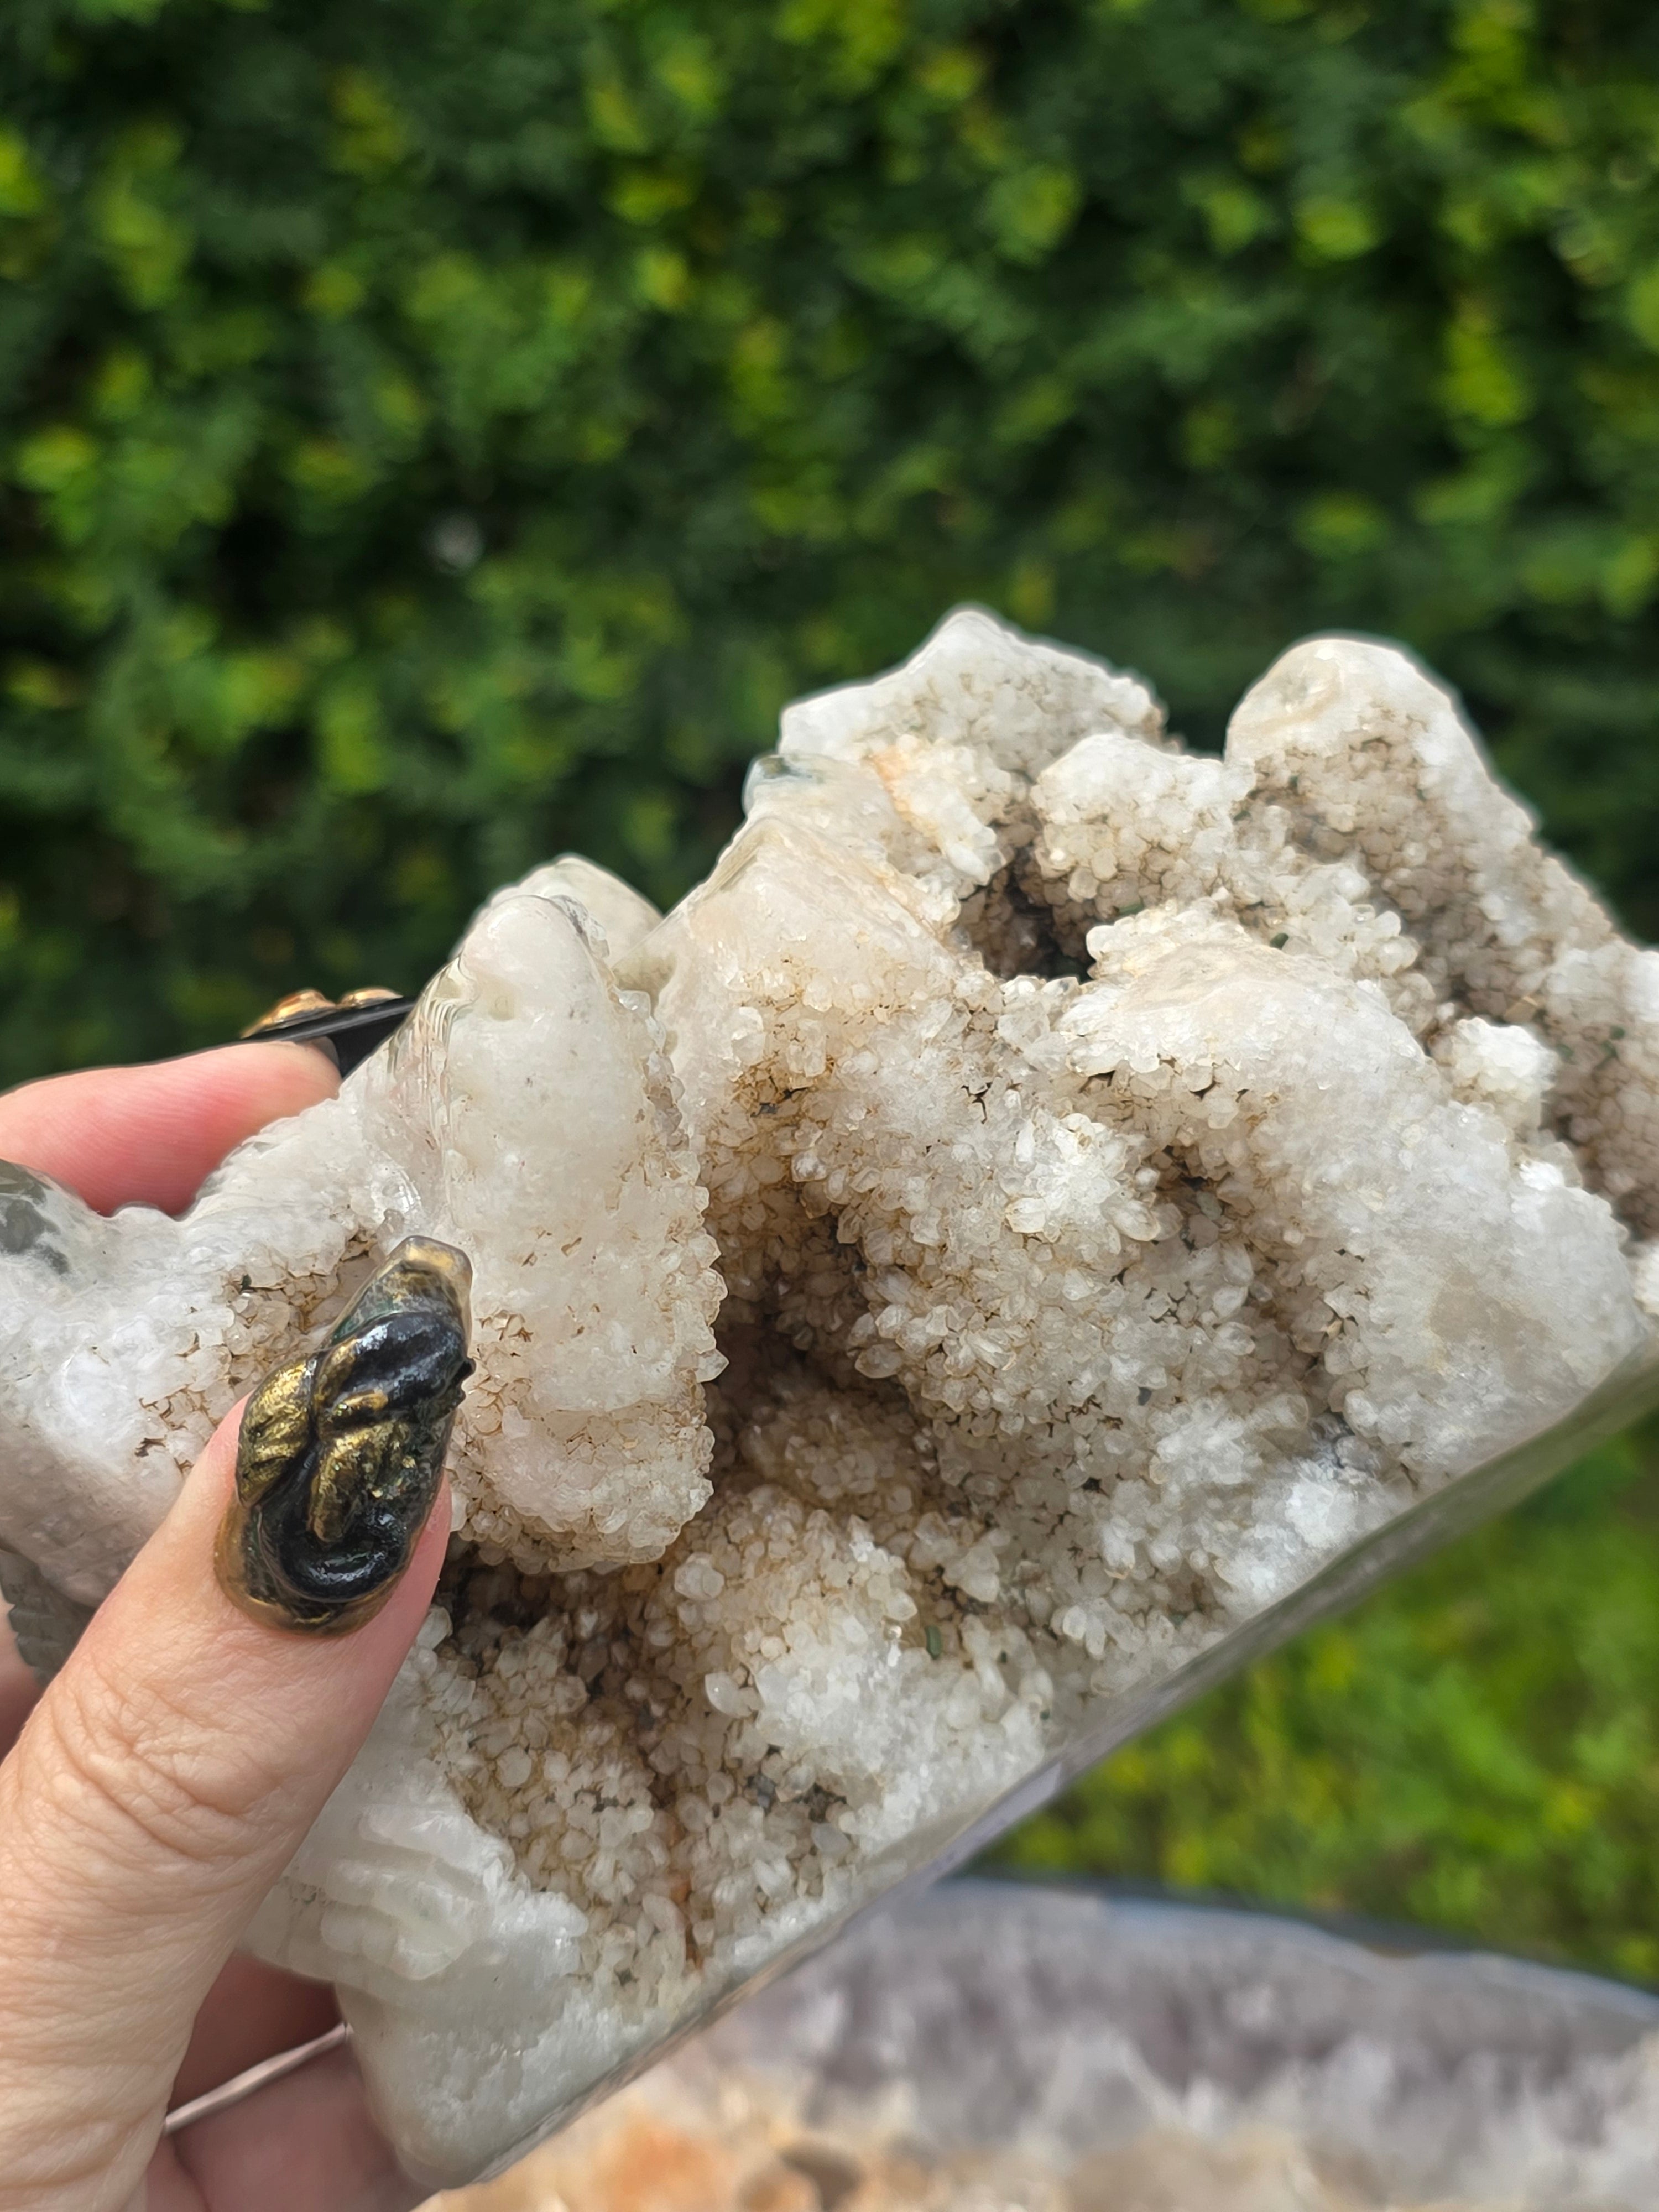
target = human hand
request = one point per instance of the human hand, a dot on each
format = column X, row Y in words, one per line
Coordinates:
column 161, row 1784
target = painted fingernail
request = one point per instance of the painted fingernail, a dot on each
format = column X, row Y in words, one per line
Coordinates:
column 342, row 1453
column 345, row 1033
column 290, row 1009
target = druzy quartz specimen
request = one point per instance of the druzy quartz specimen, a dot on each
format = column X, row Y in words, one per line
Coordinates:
column 1042, row 1197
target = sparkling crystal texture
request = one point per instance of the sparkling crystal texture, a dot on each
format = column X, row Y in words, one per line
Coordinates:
column 1044, row 1197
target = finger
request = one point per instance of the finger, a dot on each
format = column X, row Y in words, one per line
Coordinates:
column 148, row 1136
column 251, row 2012
column 305, row 2144
column 158, row 1789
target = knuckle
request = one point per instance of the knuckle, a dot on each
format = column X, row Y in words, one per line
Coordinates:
column 143, row 1775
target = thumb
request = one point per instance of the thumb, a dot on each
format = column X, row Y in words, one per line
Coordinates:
column 160, row 1787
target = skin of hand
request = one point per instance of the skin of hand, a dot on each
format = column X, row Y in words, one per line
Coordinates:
column 159, row 1785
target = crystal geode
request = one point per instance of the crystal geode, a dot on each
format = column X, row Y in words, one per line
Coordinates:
column 1043, row 1196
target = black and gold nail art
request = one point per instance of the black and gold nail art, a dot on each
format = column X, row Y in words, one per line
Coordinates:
column 341, row 1452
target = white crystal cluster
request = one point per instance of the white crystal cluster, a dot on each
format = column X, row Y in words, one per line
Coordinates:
column 1121, row 1179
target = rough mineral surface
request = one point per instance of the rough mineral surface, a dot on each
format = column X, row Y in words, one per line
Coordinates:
column 1043, row 1195
column 1000, row 2047
column 657, row 2148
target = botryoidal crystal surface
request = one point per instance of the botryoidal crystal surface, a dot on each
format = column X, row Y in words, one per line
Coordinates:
column 1044, row 1195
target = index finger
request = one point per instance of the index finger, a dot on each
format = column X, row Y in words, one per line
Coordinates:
column 149, row 1135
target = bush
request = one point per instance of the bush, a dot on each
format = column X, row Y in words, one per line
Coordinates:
column 439, row 431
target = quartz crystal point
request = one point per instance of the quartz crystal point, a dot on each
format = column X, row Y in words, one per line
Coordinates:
column 1123, row 1179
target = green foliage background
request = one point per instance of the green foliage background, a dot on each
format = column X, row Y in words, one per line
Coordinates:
column 437, row 431
column 434, row 433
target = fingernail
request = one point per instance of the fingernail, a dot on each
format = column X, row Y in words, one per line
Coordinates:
column 342, row 1453
column 345, row 1031
column 290, row 1009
